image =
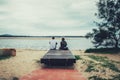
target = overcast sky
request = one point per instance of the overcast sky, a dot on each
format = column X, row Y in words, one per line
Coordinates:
column 47, row 17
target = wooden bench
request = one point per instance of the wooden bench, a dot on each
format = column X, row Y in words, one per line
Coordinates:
column 58, row 57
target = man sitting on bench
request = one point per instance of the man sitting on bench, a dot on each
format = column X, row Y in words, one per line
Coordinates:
column 53, row 44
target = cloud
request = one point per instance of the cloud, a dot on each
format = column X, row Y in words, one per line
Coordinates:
column 47, row 17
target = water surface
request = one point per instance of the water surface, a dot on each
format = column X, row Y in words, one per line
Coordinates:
column 43, row 43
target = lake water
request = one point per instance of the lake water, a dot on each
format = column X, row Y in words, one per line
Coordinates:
column 43, row 43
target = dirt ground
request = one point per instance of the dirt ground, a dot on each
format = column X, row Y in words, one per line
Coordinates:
column 26, row 61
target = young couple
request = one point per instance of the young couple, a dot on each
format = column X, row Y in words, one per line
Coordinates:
column 53, row 44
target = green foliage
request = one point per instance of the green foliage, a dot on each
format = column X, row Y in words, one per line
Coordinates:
column 4, row 57
column 105, row 62
column 103, row 50
column 98, row 58
column 115, row 62
column 116, row 77
column 96, row 78
column 90, row 68
column 110, row 66
column 77, row 57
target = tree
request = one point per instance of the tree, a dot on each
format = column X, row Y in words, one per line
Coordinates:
column 108, row 32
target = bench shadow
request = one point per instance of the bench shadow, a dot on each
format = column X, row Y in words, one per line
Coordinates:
column 57, row 66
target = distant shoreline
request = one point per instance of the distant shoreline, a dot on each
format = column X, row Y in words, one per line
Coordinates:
column 44, row 36
column 39, row 37
column 57, row 36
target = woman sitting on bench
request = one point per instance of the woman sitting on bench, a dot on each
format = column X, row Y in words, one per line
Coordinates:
column 63, row 44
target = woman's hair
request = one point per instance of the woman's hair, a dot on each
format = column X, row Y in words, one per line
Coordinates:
column 63, row 39
column 53, row 37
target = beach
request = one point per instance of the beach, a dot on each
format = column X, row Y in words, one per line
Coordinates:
column 23, row 63
column 27, row 60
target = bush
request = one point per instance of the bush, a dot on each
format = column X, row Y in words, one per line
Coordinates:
column 103, row 50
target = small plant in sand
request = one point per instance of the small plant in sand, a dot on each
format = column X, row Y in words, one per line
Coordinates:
column 4, row 57
column 91, row 67
column 77, row 57
column 115, row 62
column 105, row 62
column 37, row 61
column 98, row 58
column 110, row 66
column 96, row 78
column 116, row 77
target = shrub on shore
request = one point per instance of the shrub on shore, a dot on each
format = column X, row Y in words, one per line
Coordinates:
column 103, row 50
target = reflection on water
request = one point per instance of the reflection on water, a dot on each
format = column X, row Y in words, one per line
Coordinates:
column 31, row 43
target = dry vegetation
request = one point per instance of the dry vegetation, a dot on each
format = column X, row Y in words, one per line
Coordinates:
column 99, row 66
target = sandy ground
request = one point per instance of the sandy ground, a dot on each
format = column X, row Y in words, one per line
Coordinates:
column 26, row 61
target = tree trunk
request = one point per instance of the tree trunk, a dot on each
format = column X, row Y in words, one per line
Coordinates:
column 116, row 44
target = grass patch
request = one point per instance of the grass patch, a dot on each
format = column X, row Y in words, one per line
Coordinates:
column 96, row 78
column 4, row 57
column 116, row 77
column 91, row 67
column 103, row 50
column 115, row 62
column 77, row 57
column 105, row 62
column 110, row 66
column 98, row 58
column 37, row 61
